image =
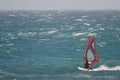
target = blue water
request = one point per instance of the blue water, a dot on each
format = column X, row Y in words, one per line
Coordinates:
column 49, row 45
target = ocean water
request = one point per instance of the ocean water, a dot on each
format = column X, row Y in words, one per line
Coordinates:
column 49, row 45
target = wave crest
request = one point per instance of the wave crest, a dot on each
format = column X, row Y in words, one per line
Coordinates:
column 106, row 68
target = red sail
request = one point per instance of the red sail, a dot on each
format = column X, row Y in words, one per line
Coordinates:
column 90, row 53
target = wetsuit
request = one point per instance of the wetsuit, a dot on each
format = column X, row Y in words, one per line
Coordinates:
column 86, row 65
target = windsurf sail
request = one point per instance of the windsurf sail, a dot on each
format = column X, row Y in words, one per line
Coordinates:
column 90, row 53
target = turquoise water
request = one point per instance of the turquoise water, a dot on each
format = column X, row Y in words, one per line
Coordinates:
column 49, row 45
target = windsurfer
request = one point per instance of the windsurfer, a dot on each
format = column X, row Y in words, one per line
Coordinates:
column 87, row 66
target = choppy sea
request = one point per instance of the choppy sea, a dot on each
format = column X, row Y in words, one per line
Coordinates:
column 49, row 44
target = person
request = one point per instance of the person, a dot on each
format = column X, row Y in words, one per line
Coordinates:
column 86, row 65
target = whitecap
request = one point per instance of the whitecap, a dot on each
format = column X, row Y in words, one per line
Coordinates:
column 78, row 20
column 10, row 44
column 10, row 34
column 101, row 28
column 87, row 24
column 118, row 29
column 48, row 32
column 43, row 20
column 98, row 25
column 12, row 37
column 27, row 33
column 83, row 39
column 20, row 34
column 51, row 32
column 85, row 16
column 43, row 40
column 101, row 44
column 106, row 68
column 89, row 34
column 78, row 34
column 92, row 30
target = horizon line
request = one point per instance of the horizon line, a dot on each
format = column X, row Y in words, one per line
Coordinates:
column 60, row 9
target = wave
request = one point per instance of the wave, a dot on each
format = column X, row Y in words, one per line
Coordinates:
column 78, row 34
column 78, row 20
column 27, row 33
column 106, row 68
column 87, row 24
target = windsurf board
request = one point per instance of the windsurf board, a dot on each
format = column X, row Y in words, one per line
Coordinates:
column 85, row 70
